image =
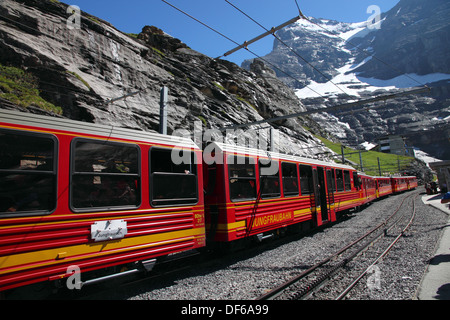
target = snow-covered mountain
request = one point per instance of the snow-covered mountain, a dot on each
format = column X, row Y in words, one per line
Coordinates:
column 330, row 63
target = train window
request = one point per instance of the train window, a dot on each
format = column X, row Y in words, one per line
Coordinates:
column 339, row 180
column 290, row 179
column 347, row 182
column 306, row 179
column 269, row 183
column 330, row 180
column 356, row 180
column 104, row 175
column 172, row 184
column 242, row 179
column 27, row 173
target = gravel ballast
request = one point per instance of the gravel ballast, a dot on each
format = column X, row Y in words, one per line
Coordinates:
column 244, row 276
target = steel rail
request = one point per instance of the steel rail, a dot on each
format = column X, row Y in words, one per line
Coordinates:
column 382, row 255
column 279, row 289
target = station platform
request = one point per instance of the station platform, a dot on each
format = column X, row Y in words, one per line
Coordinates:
column 435, row 284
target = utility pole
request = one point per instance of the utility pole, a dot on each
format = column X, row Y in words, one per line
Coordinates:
column 163, row 110
column 360, row 161
column 379, row 166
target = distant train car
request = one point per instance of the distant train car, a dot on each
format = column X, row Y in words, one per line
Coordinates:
column 412, row 182
column 369, row 188
column 91, row 196
column 384, row 186
column 251, row 192
column 399, row 184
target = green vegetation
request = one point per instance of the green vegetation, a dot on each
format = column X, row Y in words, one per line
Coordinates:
column 389, row 163
column 21, row 88
column 245, row 101
column 158, row 52
column 203, row 120
column 93, row 19
column 80, row 78
column 218, row 85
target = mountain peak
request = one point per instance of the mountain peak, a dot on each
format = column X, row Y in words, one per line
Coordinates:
column 335, row 62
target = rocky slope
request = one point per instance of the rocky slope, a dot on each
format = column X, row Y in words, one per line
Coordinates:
column 81, row 70
column 409, row 49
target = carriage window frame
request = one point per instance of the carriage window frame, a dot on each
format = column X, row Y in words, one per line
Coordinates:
column 251, row 179
column 270, row 179
column 53, row 173
column 286, row 179
column 94, row 174
column 306, row 180
column 356, row 180
column 192, row 174
column 347, row 181
column 339, row 180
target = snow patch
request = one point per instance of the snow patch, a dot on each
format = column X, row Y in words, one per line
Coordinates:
column 425, row 157
column 354, row 85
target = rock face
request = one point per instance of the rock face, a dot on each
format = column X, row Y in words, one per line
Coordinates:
column 85, row 69
column 414, row 38
column 336, row 62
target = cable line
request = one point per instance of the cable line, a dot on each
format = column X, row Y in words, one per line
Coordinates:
column 333, row 108
column 365, row 51
column 346, row 105
column 289, row 47
column 202, row 23
column 256, row 55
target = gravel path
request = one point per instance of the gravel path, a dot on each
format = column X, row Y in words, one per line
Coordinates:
column 243, row 276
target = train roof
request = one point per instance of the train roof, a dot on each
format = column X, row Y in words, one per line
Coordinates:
column 274, row 155
column 86, row 128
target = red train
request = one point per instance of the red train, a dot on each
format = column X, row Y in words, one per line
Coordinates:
column 403, row 183
column 101, row 198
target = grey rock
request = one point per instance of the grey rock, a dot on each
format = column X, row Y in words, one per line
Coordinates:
column 82, row 69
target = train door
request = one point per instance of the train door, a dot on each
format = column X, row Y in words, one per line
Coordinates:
column 365, row 193
column 320, row 192
column 377, row 187
column 330, row 191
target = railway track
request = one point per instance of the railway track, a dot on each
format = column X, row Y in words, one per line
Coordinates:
column 325, row 279
column 315, row 282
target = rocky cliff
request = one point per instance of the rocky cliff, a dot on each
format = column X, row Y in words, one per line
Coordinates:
column 354, row 61
column 414, row 38
column 83, row 70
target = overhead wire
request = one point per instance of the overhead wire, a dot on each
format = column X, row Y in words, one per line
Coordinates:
column 246, row 48
column 221, row 34
column 288, row 46
column 202, row 23
column 364, row 51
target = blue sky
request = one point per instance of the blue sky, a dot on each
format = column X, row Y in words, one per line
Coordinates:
column 131, row 15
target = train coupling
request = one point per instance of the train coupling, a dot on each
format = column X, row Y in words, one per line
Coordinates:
column 260, row 237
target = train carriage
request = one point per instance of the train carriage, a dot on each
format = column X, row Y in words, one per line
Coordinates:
column 79, row 196
column 412, row 182
column 383, row 186
column 92, row 196
column 251, row 192
column 368, row 188
column 399, row 184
